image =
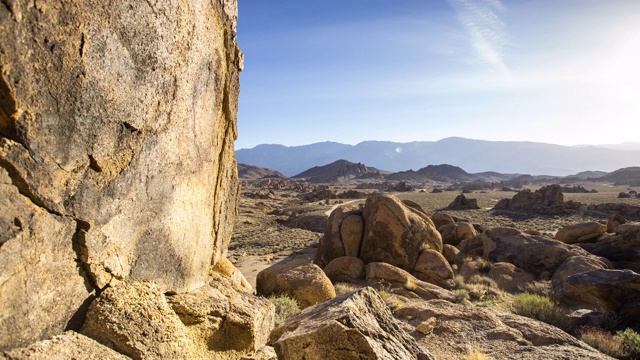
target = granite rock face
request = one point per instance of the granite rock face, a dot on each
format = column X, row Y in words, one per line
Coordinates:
column 117, row 127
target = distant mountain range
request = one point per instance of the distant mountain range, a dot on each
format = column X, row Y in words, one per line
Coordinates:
column 504, row 157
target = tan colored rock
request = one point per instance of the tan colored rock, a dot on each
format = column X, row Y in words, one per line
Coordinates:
column 396, row 234
column 432, row 267
column 450, row 253
column 471, row 247
column 383, row 274
column 305, row 282
column 462, row 203
column 453, row 233
column 578, row 233
column 440, row 219
column 37, row 264
column 331, row 245
column 614, row 221
column 357, row 325
column 227, row 269
column 508, row 277
column 457, row 329
column 548, row 199
column 69, row 345
column 345, row 269
column 351, row 230
column 135, row 320
column 117, row 120
column 223, row 322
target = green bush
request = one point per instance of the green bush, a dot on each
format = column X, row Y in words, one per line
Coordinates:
column 603, row 340
column 285, row 307
column 631, row 342
column 541, row 308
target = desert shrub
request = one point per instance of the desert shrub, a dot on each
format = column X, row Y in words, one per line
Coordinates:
column 344, row 287
column 484, row 265
column 461, row 295
column 631, row 342
column 541, row 308
column 476, row 355
column 478, row 288
column 603, row 340
column 285, row 307
column 542, row 287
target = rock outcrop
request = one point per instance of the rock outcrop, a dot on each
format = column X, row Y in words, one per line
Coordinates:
column 462, row 203
column 548, row 199
column 578, row 233
column 357, row 325
column 69, row 345
column 117, row 129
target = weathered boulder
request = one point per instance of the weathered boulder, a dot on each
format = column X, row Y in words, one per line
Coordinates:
column 610, row 290
column 564, row 290
column 578, row 233
column 331, row 245
column 69, row 345
column 400, row 281
column 396, row 234
column 440, row 219
column 548, row 199
column 298, row 278
column 462, row 203
column 450, row 253
column 471, row 247
column 432, row 267
column 135, row 319
column 614, row 221
column 457, row 329
column 536, row 255
column 357, row 325
column 37, row 264
column 455, row 232
column 351, row 230
column 345, row 269
column 622, row 248
column 507, row 276
column 117, row 126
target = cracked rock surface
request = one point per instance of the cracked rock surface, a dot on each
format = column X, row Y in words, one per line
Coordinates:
column 117, row 124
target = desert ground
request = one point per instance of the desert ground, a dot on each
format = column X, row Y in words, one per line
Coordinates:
column 281, row 224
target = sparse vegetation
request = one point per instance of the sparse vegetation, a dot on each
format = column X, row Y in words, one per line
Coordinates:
column 484, row 265
column 476, row 355
column 542, row 287
column 631, row 343
column 285, row 308
column 603, row 340
column 541, row 308
column 478, row 288
column 344, row 287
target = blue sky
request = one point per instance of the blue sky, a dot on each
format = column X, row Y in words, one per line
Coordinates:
column 563, row 71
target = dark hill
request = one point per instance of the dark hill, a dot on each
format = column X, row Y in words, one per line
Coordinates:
column 250, row 172
column 339, row 169
column 443, row 172
column 626, row 176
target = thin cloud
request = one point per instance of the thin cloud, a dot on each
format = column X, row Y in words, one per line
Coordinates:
column 488, row 33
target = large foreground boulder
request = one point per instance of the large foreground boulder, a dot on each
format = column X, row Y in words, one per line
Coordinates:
column 395, row 233
column 357, row 325
column 117, row 129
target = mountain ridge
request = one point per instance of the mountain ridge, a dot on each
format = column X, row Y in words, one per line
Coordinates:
column 515, row 157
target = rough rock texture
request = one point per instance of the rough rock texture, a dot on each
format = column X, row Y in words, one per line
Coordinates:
column 453, row 233
column 69, row 345
column 457, row 329
column 614, row 221
column 548, row 199
column 507, row 276
column 117, row 127
column 439, row 219
column 331, row 245
column 622, row 248
column 610, row 290
column 462, row 203
column 37, row 264
column 578, row 233
column 399, row 281
column 345, row 269
column 305, row 282
column 450, row 253
column 396, row 234
column 536, row 255
column 575, row 265
column 351, row 230
column 357, row 325
column 136, row 320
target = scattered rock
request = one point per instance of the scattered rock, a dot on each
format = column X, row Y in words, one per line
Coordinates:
column 462, row 203
column 624, row 195
column 305, row 282
column 548, row 199
column 382, row 273
column 455, row 232
column 395, row 233
column 578, row 233
column 357, row 325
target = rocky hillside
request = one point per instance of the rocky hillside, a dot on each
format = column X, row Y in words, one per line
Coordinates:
column 443, row 172
column 117, row 162
column 627, row 176
column 249, row 172
column 339, row 169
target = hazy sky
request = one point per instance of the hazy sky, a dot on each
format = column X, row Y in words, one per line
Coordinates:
column 557, row 71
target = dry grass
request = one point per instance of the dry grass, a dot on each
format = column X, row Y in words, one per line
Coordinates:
column 344, row 287
column 603, row 340
column 541, row 308
column 476, row 355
